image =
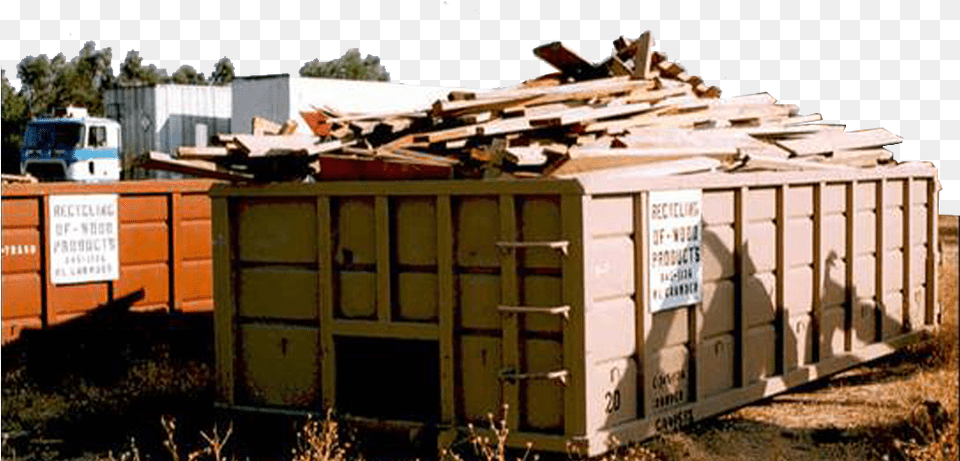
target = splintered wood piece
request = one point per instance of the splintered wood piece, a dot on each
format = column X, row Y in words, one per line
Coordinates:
column 289, row 127
column 801, row 119
column 191, row 152
column 259, row 146
column 615, row 66
column 568, row 62
column 723, row 152
column 860, row 157
column 262, row 126
column 317, row 121
column 458, row 108
column 657, row 168
column 642, row 58
column 829, row 141
column 789, row 165
column 199, row 168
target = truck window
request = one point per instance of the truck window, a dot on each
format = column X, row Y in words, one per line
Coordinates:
column 98, row 136
column 60, row 136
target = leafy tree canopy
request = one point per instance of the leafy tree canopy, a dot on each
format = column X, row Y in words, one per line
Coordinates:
column 223, row 72
column 350, row 67
column 187, row 75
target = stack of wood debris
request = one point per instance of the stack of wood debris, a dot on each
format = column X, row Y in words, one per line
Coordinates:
column 635, row 109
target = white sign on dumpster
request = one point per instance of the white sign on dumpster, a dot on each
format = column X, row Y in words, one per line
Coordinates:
column 83, row 238
column 676, row 267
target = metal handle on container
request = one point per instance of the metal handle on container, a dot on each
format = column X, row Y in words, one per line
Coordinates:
column 558, row 375
column 559, row 310
column 556, row 245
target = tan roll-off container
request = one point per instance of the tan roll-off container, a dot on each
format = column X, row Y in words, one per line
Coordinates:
column 437, row 302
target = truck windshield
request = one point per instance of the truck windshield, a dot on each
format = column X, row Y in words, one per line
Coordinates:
column 60, row 136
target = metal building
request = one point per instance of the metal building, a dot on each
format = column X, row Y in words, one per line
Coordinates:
column 164, row 117
column 281, row 97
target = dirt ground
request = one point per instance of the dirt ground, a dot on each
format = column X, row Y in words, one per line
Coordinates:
column 53, row 407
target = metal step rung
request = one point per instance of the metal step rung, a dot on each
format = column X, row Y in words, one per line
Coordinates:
column 561, row 245
column 559, row 310
column 559, row 375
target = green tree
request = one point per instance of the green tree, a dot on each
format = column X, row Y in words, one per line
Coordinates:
column 350, row 67
column 223, row 72
column 14, row 114
column 187, row 75
column 49, row 84
column 134, row 73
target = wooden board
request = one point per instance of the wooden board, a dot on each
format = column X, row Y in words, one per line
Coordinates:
column 825, row 142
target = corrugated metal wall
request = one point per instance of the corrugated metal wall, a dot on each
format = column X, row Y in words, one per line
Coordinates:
column 164, row 117
column 267, row 96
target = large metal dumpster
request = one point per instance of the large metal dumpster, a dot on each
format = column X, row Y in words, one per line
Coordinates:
column 164, row 252
column 435, row 303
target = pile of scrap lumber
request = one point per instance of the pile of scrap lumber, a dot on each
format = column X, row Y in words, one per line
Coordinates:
column 636, row 110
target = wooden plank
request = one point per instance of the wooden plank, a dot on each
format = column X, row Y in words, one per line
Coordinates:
column 568, row 62
column 262, row 126
column 459, row 108
column 288, row 128
column 382, row 229
column 445, row 302
column 826, row 142
column 643, row 57
column 791, row 165
column 199, row 168
column 258, row 146
column 615, row 66
column 201, row 153
column 722, row 152
column 326, row 301
column 797, row 120
column 628, row 172
column 509, row 295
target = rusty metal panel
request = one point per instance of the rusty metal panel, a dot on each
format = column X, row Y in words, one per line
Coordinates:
column 761, row 353
column 195, row 206
column 715, row 364
column 416, row 296
column 541, row 291
column 195, row 239
column 279, row 365
column 759, row 295
column 196, row 280
column 67, row 301
column 277, row 231
column 142, row 208
column 717, row 253
column 615, row 397
column 143, row 242
column 476, row 223
column 717, row 308
column 23, row 296
column 542, row 399
column 761, row 250
column 415, row 228
column 477, row 299
column 148, row 283
column 21, row 250
column 277, row 293
column 539, row 221
column 357, row 294
column 477, row 367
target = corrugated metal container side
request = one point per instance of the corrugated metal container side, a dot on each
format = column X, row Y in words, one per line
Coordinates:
column 164, row 117
column 282, row 97
column 164, row 250
column 437, row 302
